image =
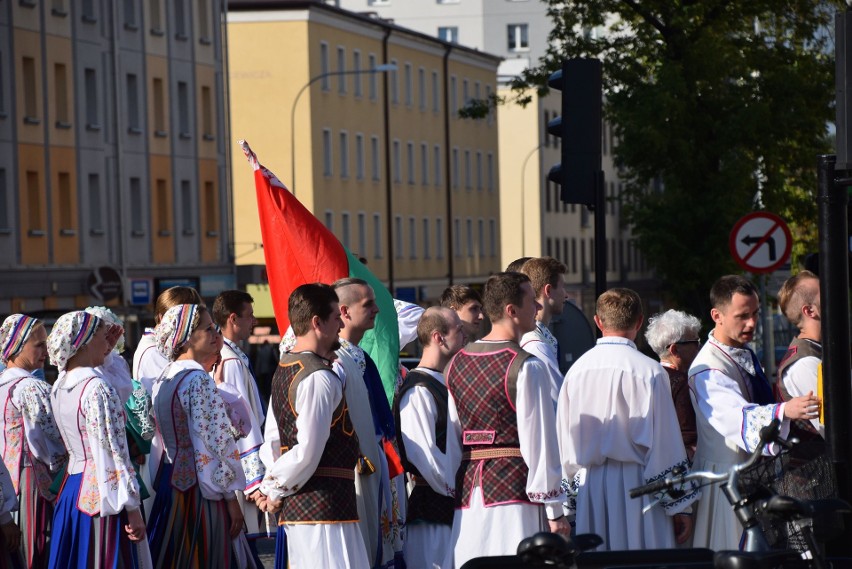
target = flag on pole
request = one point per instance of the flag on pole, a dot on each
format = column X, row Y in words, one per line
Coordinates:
column 299, row 249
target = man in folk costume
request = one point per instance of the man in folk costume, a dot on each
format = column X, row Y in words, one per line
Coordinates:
column 799, row 300
column 733, row 400
column 312, row 483
column 373, row 421
column 547, row 277
column 467, row 303
column 616, row 420
column 420, row 412
column 500, row 436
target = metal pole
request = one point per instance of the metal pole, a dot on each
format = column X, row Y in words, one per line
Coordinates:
column 523, row 199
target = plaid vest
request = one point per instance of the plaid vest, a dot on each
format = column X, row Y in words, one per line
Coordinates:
column 329, row 495
column 811, row 443
column 483, row 381
column 425, row 504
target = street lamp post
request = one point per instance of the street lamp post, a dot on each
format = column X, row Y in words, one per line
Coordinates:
column 523, row 200
column 384, row 68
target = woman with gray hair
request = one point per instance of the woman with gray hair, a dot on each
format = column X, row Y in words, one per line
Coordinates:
column 674, row 337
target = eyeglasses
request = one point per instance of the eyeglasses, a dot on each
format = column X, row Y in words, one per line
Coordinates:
column 696, row 341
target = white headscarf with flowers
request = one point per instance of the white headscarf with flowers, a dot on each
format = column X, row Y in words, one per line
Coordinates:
column 14, row 333
column 110, row 317
column 71, row 332
column 175, row 329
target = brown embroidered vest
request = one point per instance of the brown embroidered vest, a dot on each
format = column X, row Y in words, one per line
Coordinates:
column 811, row 443
column 329, row 495
column 483, row 381
column 425, row 504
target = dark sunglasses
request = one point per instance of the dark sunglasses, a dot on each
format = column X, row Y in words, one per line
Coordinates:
column 697, row 342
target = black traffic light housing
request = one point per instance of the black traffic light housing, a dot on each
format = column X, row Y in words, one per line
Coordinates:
column 579, row 129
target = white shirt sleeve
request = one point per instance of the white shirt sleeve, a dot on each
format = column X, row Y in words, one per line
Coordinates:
column 417, row 413
column 544, row 352
column 32, row 397
column 800, row 379
column 270, row 450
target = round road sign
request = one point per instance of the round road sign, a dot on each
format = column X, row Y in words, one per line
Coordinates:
column 760, row 242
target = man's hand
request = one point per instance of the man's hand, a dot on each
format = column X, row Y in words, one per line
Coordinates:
column 804, row 407
column 560, row 526
column 11, row 535
column 683, row 526
column 235, row 513
column 135, row 527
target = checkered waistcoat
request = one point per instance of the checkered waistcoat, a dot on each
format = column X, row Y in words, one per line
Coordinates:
column 811, row 444
column 482, row 379
column 329, row 495
column 425, row 504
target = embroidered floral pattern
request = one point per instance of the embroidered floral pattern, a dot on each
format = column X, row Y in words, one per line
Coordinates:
column 89, row 499
column 253, row 468
column 356, row 352
column 139, row 405
column 686, row 492
column 755, row 417
column 547, row 335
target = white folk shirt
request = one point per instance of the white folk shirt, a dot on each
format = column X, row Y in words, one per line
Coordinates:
column 617, row 420
column 800, row 379
column 236, row 372
column 542, row 344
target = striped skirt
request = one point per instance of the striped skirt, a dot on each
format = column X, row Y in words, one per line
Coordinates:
column 186, row 530
column 88, row 542
column 34, row 518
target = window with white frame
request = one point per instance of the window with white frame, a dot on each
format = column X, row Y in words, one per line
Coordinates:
column 325, row 68
column 436, row 164
column 359, row 156
column 412, row 237
column 362, row 234
column 479, row 170
column 467, row 171
column 372, row 77
column 436, row 92
column 393, row 76
column 397, row 226
column 329, row 220
column 465, row 92
column 409, row 85
column 375, row 162
column 454, row 101
column 489, row 171
column 457, row 237
column 426, row 253
column 327, row 168
column 480, row 226
column 344, row 229
column 455, row 168
column 356, row 67
column 424, row 163
column 492, row 237
column 377, row 236
column 410, row 159
column 468, row 225
column 518, row 37
column 449, row 34
column 421, row 88
column 344, row 154
column 341, row 69
column 397, row 166
column 439, row 238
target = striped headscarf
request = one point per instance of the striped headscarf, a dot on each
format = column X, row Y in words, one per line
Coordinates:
column 109, row 317
column 174, row 330
column 71, row 332
column 14, row 333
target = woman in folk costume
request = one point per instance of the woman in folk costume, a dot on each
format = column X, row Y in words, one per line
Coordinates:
column 32, row 448
column 196, row 514
column 97, row 516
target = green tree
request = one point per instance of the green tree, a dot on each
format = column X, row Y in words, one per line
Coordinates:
column 720, row 108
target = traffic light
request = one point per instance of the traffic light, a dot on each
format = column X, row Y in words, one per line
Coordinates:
column 579, row 129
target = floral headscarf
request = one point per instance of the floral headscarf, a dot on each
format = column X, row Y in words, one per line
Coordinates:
column 14, row 333
column 109, row 317
column 175, row 328
column 71, row 332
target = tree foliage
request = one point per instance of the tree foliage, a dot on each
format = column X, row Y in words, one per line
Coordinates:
column 725, row 102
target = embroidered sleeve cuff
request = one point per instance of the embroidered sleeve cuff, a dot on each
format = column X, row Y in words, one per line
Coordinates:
column 554, row 510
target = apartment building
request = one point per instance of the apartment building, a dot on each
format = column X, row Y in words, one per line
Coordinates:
column 113, row 170
column 381, row 155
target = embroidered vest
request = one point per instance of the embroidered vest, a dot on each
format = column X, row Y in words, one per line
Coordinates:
column 329, row 495
column 483, row 380
column 811, row 443
column 425, row 504
column 174, row 429
column 714, row 357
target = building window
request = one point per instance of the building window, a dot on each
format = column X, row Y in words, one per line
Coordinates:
column 439, row 238
column 457, row 236
column 394, row 83
column 547, row 193
column 490, row 119
column 480, row 226
column 410, row 159
column 155, row 14
column 448, row 34
column 341, row 69
column 467, row 170
column 424, row 163
column 490, row 172
column 180, row 20
column 344, row 229
column 492, row 236
column 455, row 170
column 469, row 234
column 2, row 94
column 87, row 11
column 397, row 167
column 34, row 205
column 66, row 207
column 324, row 67
column 436, row 163
column 374, row 157
column 356, row 67
column 408, row 85
column 421, row 88
column 329, row 220
column 412, row 238
column 359, row 156
column 574, row 255
column 518, row 37
column 372, row 77
column 479, row 171
column 454, row 101
column 57, row 8
column 208, row 132
column 5, row 210
column 60, row 87
column 377, row 236
column 159, row 108
column 344, row 155
column 130, row 15
column 203, row 22
column 436, row 90
column 91, row 83
column 31, row 113
column 187, row 209
column 362, row 234
column 397, row 223
column 426, row 253
column 137, row 227
column 465, row 93
column 327, row 169
column 211, row 213
column 162, row 193
column 183, row 109
column 134, row 117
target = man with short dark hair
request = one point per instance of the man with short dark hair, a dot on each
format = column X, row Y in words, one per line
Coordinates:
column 500, row 436
column 468, row 305
column 616, row 420
column 420, row 412
column 733, row 400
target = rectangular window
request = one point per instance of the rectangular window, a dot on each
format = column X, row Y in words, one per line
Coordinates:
column 490, row 172
column 454, row 101
column 374, row 89
column 397, row 166
column 455, row 170
column 518, row 37
column 344, row 155
column 394, row 83
column 492, row 237
column 356, row 66
column 87, row 11
column 130, row 15
column 344, row 229
column 207, row 113
column 480, row 233
column 2, row 96
column 377, row 236
column 397, row 222
column 181, row 32
column 426, row 253
column 211, row 214
column 476, row 90
column 436, row 90
column 448, row 34
column 421, row 88
column 203, row 22
column 134, row 116
column 57, row 8
column 439, row 238
column 187, row 209
column 479, row 171
column 155, row 14
column 457, row 236
column 467, row 170
column 60, row 87
column 424, row 163
column 362, row 234
column 469, row 233
column 34, row 204
column 488, row 98
column 547, row 194
column 137, row 228
column 162, row 193
column 408, row 85
column 359, row 156
column 412, row 238
column 465, row 92
column 341, row 68
column 325, row 68
column 410, row 159
column 436, row 163
column 159, row 108
column 66, row 220
column 327, row 169
column 329, row 220
column 183, row 109
column 375, row 162
column 91, row 83
column 5, row 210
column 574, row 255
column 31, row 113
column 96, row 220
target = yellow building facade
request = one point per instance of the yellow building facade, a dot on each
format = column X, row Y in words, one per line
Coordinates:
column 381, row 155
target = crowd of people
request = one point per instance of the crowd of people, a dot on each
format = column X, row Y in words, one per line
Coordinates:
column 182, row 461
